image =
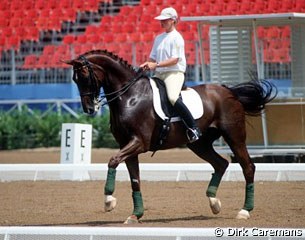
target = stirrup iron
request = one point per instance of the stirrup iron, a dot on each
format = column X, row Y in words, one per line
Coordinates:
column 193, row 134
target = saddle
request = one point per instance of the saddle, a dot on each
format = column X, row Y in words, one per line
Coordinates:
column 165, row 110
column 163, row 107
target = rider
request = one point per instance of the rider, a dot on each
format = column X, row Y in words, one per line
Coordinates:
column 167, row 58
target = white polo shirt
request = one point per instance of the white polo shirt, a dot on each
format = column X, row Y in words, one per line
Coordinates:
column 166, row 46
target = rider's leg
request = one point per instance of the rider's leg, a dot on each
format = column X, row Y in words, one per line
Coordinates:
column 193, row 132
column 174, row 82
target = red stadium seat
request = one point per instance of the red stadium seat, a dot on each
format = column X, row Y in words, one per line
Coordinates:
column 147, row 37
column 191, row 59
column 268, row 55
column 281, row 56
column 285, row 33
column 32, row 13
column 49, row 50
column 81, row 39
column 40, row 4
column 106, row 20
column 4, row 22
column 13, row 43
column 135, row 37
column 78, row 5
column 126, row 10
column 91, row 30
column 300, row 6
column 142, row 27
column 4, row 6
column 91, row 5
column 65, row 4
column 52, row 4
column 43, row 62
column 43, row 24
column 275, row 43
column 273, row 6
column 121, row 37
column 145, row 2
column 68, row 39
column 259, row 6
column 20, row 32
column 287, row 5
column 30, row 61
column 32, row 34
column 93, row 39
column 273, row 32
column 29, row 22
column 108, row 38
column 27, row 5
column 155, row 27
column 128, row 28
column 54, row 24
column 15, row 5
column 69, row 15
column 7, row 32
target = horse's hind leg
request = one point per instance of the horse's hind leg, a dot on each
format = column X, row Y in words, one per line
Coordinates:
column 204, row 149
column 235, row 136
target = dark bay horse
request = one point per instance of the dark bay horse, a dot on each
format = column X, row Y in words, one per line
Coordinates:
column 136, row 126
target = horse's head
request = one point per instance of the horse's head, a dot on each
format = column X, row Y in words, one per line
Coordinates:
column 88, row 78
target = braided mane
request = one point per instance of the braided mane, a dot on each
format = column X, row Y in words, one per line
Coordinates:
column 111, row 55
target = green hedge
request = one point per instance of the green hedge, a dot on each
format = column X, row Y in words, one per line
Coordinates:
column 27, row 130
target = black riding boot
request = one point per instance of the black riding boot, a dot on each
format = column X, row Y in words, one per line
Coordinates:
column 193, row 133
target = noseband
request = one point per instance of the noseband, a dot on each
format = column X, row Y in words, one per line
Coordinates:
column 95, row 91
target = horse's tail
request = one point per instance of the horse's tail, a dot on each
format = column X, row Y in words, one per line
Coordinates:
column 254, row 95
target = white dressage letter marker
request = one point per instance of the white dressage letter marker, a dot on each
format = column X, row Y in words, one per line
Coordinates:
column 76, row 141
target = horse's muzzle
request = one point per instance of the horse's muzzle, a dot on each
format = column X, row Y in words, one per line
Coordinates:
column 90, row 107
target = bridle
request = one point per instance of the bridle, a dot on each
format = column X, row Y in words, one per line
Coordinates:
column 95, row 91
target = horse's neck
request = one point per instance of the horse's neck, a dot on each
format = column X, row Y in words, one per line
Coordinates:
column 135, row 90
column 116, row 82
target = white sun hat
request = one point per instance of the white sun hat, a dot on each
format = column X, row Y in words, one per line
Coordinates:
column 167, row 13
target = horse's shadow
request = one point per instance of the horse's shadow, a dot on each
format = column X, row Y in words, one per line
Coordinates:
column 144, row 221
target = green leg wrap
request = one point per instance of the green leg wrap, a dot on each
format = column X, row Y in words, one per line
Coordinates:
column 213, row 185
column 249, row 200
column 110, row 182
column 138, row 209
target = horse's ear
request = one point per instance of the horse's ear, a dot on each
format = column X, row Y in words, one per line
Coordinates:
column 72, row 62
column 69, row 62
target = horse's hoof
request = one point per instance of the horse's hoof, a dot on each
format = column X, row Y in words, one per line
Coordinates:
column 131, row 220
column 243, row 214
column 215, row 205
column 110, row 203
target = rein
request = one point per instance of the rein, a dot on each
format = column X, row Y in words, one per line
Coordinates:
column 121, row 91
column 115, row 94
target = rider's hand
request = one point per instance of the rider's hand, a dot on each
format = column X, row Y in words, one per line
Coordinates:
column 149, row 65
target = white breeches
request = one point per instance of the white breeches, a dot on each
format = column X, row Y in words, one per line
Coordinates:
column 173, row 82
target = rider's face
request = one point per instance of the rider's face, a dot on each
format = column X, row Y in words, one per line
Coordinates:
column 168, row 24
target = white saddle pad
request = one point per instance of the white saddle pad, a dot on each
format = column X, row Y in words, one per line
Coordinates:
column 189, row 96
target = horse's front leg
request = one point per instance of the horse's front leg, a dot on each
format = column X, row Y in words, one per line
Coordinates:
column 132, row 149
column 134, row 173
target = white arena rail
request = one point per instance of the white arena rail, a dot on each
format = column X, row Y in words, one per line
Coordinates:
column 149, row 172
column 125, row 233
